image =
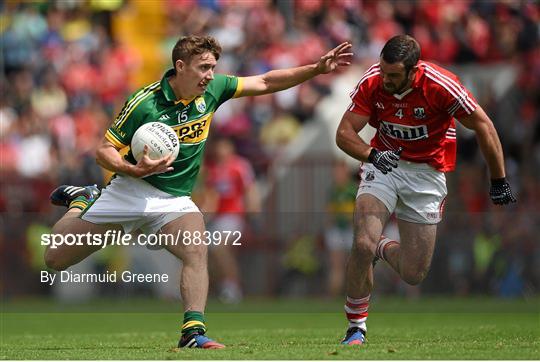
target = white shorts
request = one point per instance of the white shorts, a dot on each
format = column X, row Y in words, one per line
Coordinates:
column 135, row 204
column 416, row 192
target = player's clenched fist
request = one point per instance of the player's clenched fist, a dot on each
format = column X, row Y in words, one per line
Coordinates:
column 500, row 192
column 384, row 161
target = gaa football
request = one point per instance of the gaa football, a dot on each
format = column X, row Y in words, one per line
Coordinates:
column 160, row 139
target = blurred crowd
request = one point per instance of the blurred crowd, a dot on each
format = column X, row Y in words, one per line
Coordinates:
column 65, row 73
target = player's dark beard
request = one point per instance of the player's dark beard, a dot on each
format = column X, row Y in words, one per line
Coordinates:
column 401, row 87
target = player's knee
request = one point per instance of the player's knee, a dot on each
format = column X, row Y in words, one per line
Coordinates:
column 195, row 254
column 61, row 228
column 54, row 260
column 58, row 228
column 414, row 276
column 364, row 247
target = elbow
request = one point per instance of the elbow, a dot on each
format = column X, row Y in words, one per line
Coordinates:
column 99, row 156
column 484, row 129
column 340, row 138
column 99, row 162
column 265, row 86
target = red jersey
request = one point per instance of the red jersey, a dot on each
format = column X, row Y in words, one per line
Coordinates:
column 231, row 181
column 421, row 119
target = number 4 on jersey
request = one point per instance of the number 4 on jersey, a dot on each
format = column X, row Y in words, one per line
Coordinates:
column 399, row 113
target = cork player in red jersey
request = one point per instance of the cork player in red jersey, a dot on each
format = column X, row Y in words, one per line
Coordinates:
column 413, row 105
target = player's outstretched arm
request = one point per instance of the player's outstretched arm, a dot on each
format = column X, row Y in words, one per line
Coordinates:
column 277, row 80
column 107, row 156
column 491, row 148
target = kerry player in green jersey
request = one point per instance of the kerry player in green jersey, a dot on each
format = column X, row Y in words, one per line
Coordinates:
column 154, row 195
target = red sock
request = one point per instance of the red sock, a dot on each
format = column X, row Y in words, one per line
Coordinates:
column 356, row 310
column 384, row 242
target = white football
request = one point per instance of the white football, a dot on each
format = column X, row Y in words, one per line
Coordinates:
column 160, row 139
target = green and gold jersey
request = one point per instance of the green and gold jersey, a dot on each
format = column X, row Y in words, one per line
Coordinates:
column 190, row 119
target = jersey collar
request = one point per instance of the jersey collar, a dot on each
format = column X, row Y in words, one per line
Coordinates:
column 168, row 91
column 400, row 96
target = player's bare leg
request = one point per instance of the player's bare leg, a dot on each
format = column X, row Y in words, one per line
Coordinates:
column 193, row 280
column 370, row 216
column 411, row 257
column 63, row 256
column 75, row 198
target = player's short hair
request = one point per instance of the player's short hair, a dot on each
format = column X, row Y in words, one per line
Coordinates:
column 401, row 48
column 189, row 46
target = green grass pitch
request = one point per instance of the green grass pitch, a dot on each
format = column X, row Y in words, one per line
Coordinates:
column 428, row 328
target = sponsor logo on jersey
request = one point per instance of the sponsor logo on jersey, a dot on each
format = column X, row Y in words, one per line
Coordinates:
column 419, row 112
column 402, row 132
column 195, row 131
column 200, row 104
column 379, row 105
column 400, row 105
column 164, row 117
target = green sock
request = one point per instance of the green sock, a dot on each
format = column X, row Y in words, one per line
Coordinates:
column 193, row 322
column 80, row 202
